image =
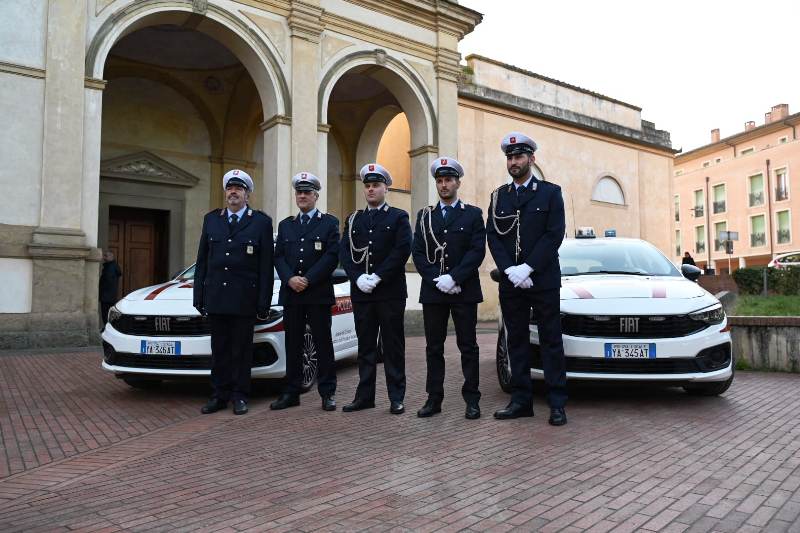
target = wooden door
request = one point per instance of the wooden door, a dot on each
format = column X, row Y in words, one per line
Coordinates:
column 138, row 239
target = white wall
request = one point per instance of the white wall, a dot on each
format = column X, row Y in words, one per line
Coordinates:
column 16, row 280
column 23, row 32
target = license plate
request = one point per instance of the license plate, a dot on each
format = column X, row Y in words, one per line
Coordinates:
column 630, row 351
column 161, row 347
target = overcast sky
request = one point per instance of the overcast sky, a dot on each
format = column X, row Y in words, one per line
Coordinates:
column 691, row 65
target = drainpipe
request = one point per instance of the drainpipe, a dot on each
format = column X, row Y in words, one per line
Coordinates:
column 769, row 212
column 708, row 228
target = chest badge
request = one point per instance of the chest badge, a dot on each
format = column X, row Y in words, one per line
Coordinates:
column 318, row 245
column 249, row 249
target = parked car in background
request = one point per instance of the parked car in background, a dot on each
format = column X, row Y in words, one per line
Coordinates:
column 791, row 259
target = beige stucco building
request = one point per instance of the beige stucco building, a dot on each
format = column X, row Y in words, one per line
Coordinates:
column 740, row 183
column 121, row 116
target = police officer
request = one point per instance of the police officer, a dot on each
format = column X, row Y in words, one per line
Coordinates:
column 306, row 254
column 375, row 247
column 449, row 246
column 525, row 226
column 233, row 284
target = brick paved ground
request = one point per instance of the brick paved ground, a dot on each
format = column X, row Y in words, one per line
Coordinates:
column 81, row 450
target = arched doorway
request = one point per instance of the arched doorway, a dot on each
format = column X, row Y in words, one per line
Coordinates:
column 188, row 97
column 375, row 109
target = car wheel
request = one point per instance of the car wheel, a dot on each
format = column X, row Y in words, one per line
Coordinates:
column 144, row 384
column 310, row 361
column 714, row 388
column 503, row 362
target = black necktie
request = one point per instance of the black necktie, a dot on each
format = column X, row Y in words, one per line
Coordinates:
column 304, row 219
column 446, row 211
column 234, row 219
column 520, row 190
column 372, row 213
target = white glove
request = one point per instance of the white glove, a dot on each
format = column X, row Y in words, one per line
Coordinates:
column 527, row 283
column 445, row 283
column 364, row 283
column 518, row 274
column 455, row 290
column 374, row 280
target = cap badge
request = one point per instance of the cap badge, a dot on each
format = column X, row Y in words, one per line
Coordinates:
column 444, row 161
column 235, row 172
column 304, row 175
column 513, row 140
column 372, row 168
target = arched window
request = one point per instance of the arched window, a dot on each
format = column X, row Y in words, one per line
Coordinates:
column 609, row 191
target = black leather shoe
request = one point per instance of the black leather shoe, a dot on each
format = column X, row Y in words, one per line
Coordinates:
column 430, row 408
column 358, row 405
column 239, row 407
column 213, row 405
column 472, row 412
column 328, row 403
column 513, row 410
column 558, row 417
column 285, row 400
column 397, row 408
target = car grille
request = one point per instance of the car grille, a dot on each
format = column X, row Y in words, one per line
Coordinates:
column 708, row 360
column 263, row 355
column 163, row 326
column 639, row 327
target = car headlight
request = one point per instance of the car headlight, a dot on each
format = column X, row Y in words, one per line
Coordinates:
column 710, row 315
column 114, row 315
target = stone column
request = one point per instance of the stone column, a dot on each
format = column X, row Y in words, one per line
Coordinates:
column 447, row 71
column 306, row 27
column 423, row 188
column 322, row 165
column 277, row 198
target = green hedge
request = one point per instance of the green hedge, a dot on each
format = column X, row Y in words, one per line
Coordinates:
column 779, row 281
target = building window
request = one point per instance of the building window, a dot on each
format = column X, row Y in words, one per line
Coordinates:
column 781, row 185
column 719, row 244
column 758, row 228
column 784, row 227
column 719, row 198
column 756, row 190
column 698, row 203
column 747, row 151
column 699, row 239
column 677, row 207
column 678, row 172
column 783, row 140
column 706, row 164
column 718, row 160
column 609, row 191
column 678, row 242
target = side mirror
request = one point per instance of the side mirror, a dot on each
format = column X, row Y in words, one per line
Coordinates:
column 495, row 275
column 690, row 272
column 339, row 276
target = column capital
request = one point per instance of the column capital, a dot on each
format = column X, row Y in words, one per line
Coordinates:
column 275, row 120
column 305, row 21
column 423, row 150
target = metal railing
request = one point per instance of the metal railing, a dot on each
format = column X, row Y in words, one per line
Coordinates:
column 758, row 239
column 719, row 246
column 784, row 236
column 698, row 211
column 756, row 198
column 719, row 207
column 781, row 193
column 699, row 247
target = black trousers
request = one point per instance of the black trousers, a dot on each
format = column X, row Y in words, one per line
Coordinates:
column 516, row 307
column 231, row 355
column 388, row 316
column 105, row 307
column 318, row 318
column 465, row 319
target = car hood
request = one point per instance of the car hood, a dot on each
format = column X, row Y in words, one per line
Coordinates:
column 615, row 286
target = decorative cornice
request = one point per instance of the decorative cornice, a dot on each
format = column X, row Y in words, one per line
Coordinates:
column 22, row 70
column 448, row 65
column 58, row 243
column 324, row 128
column 305, row 21
column 274, row 121
column 94, row 83
column 232, row 161
column 423, row 150
column 147, row 167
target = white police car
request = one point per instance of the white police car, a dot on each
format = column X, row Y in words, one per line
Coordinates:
column 628, row 314
column 155, row 334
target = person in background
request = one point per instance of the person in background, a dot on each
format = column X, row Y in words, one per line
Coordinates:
column 109, row 284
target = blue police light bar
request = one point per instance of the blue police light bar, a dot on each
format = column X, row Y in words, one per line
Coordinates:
column 610, row 233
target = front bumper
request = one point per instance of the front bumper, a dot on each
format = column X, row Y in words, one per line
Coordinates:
column 705, row 356
column 121, row 355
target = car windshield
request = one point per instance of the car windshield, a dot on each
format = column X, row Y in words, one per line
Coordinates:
column 581, row 257
column 188, row 274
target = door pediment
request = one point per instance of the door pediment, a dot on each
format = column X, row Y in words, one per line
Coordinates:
column 148, row 168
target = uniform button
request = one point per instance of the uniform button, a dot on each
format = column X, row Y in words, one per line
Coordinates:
column 301, row 249
column 371, row 265
column 224, row 283
column 301, row 240
column 446, row 255
column 226, row 268
column 229, row 240
column 445, row 231
column 227, row 253
column 301, row 260
column 299, row 271
column 370, row 253
column 369, row 231
column 370, row 242
column 447, row 268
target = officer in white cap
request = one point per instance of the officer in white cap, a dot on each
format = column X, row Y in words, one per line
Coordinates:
column 233, row 285
column 306, row 254
column 449, row 246
column 375, row 247
column 524, row 228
